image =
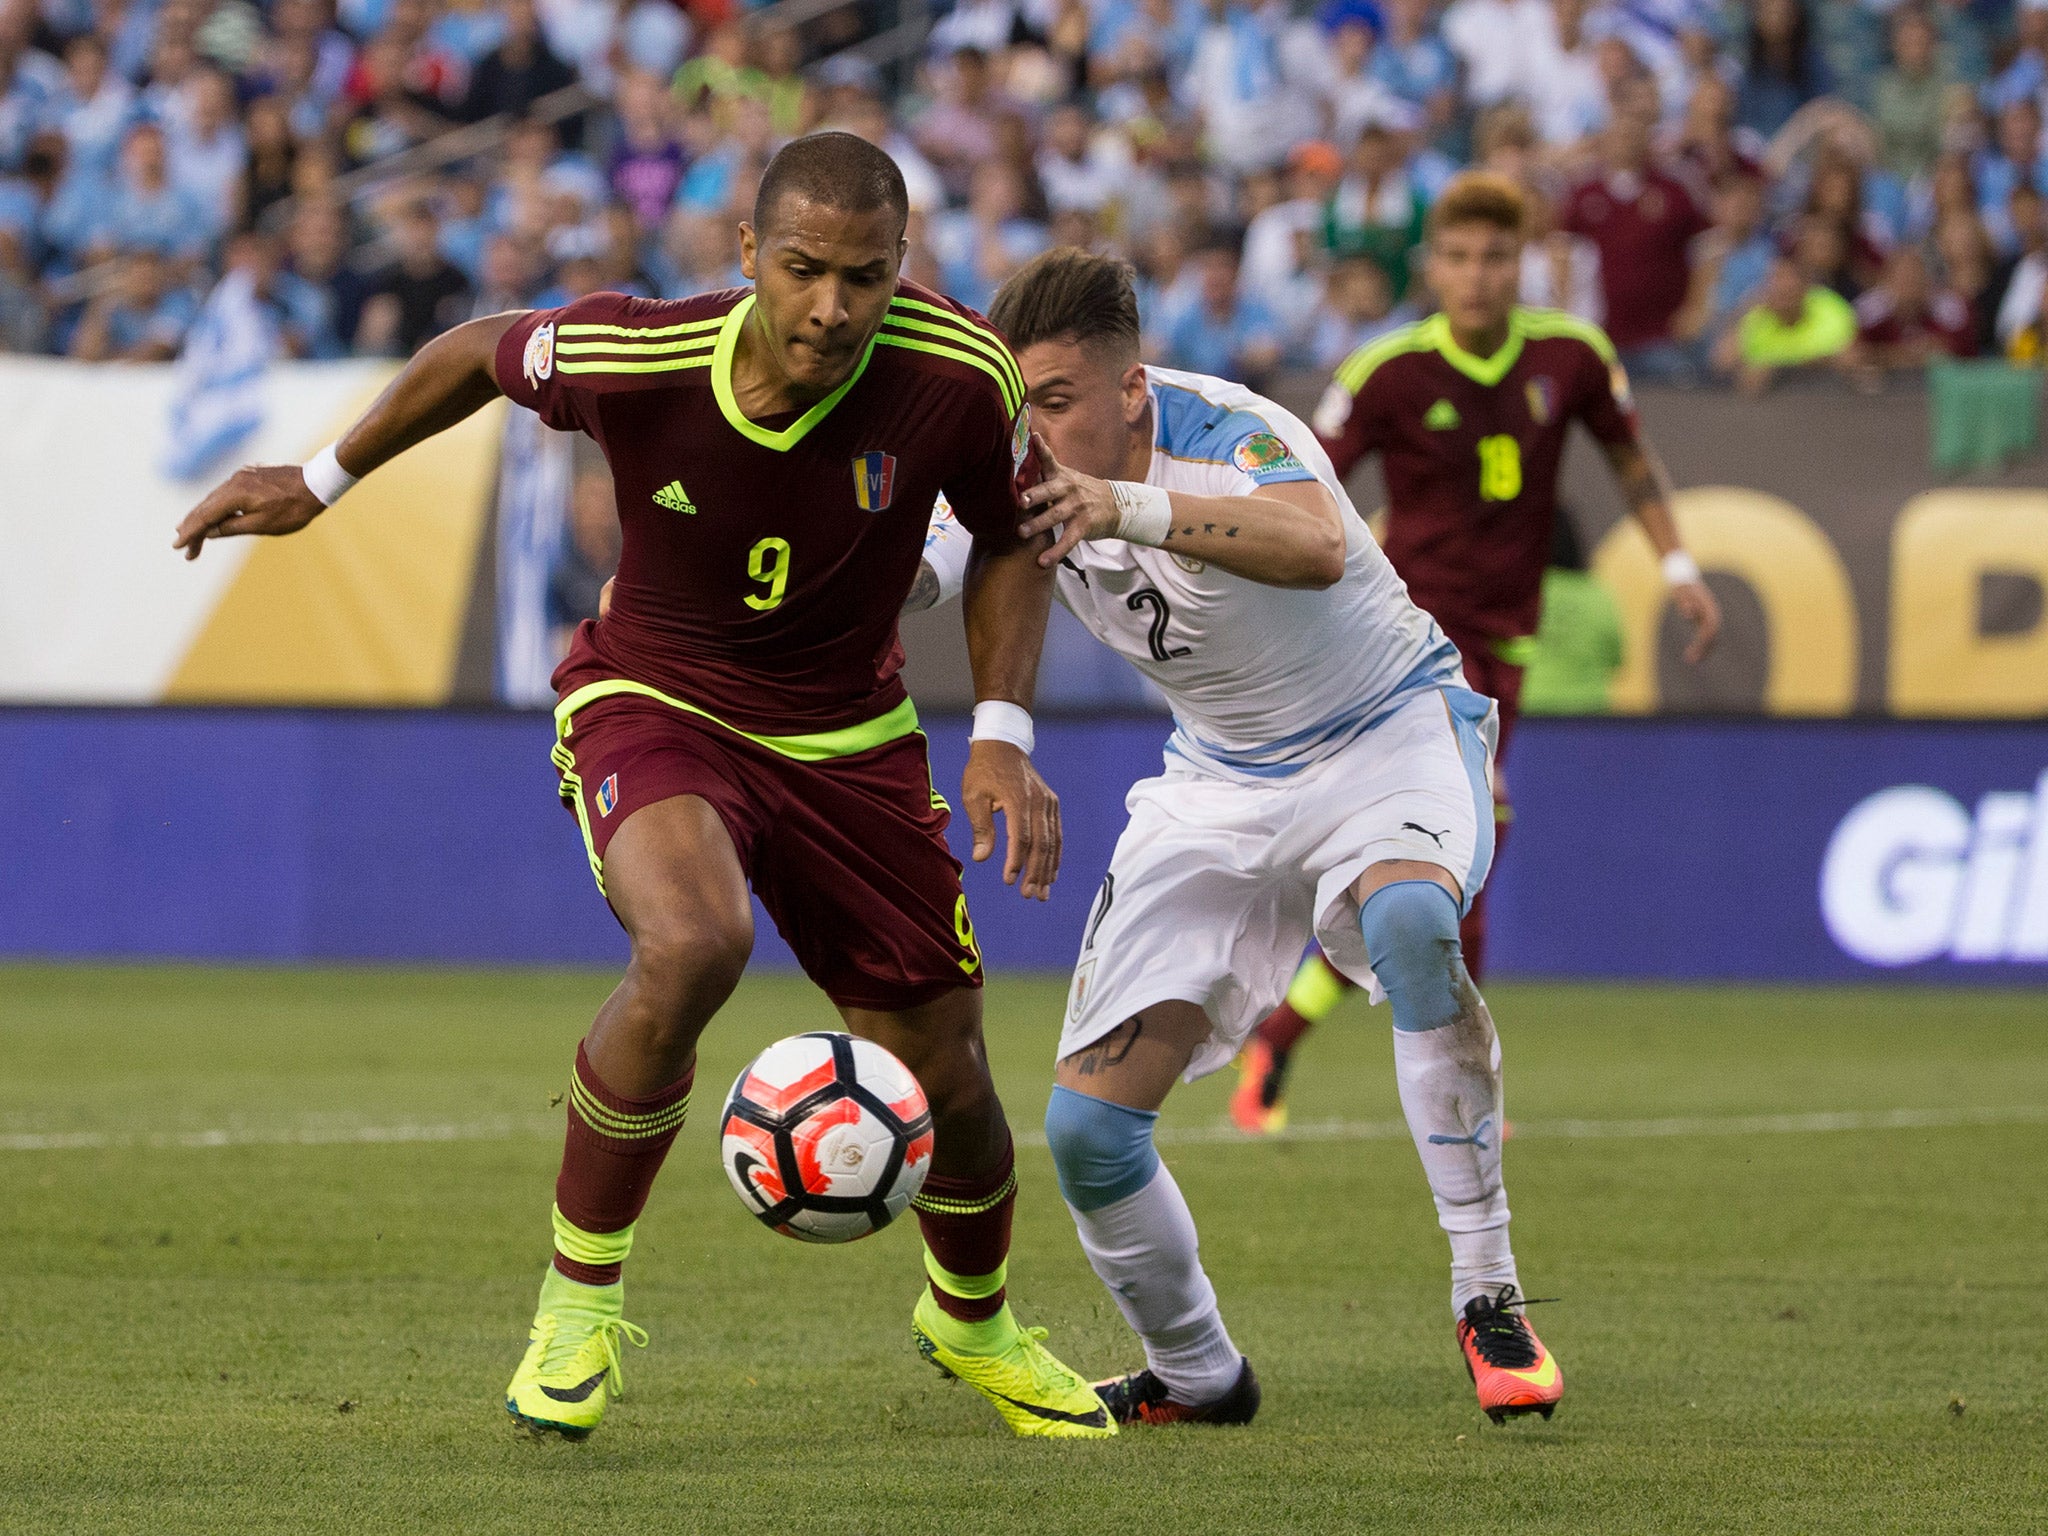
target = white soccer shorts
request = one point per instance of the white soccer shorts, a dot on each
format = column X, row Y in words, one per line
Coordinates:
column 1216, row 886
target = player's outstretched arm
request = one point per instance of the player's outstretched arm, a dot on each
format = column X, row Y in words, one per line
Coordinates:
column 450, row 378
column 1647, row 490
column 1288, row 535
column 1006, row 602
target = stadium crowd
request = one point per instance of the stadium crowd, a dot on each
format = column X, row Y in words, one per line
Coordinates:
column 1732, row 190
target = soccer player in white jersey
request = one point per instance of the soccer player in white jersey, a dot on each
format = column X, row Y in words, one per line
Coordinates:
column 1328, row 775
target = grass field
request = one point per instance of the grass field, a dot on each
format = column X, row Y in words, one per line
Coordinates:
column 248, row 1290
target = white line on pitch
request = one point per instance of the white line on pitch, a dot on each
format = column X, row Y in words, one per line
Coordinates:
column 505, row 1128
column 1634, row 1130
column 510, row 1128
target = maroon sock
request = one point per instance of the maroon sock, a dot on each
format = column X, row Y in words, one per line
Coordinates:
column 613, row 1150
column 1283, row 1028
column 966, row 1225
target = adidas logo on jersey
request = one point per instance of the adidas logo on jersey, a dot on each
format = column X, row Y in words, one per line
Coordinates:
column 675, row 498
column 1442, row 417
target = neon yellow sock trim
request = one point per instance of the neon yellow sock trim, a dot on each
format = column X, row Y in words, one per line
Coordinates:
column 936, row 1205
column 1315, row 990
column 966, row 1287
column 989, row 1337
column 572, row 1242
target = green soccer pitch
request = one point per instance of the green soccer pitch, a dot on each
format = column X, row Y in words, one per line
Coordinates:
column 273, row 1237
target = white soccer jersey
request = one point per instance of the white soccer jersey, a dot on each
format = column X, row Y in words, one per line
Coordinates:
column 1262, row 680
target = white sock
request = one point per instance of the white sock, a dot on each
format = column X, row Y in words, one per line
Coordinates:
column 1145, row 1250
column 1451, row 1091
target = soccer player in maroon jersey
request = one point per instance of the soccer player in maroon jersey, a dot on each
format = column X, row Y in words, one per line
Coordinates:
column 737, row 715
column 1469, row 410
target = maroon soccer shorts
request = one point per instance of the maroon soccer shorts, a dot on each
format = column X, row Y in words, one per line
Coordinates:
column 848, row 855
column 1495, row 676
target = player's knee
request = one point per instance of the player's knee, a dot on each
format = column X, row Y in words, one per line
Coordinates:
column 1101, row 1151
column 692, row 949
column 1411, row 936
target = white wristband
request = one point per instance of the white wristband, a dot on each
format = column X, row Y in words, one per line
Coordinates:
column 1680, row 569
column 1144, row 512
column 1000, row 720
column 325, row 477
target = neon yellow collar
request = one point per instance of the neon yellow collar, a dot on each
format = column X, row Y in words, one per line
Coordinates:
column 721, row 387
column 1481, row 370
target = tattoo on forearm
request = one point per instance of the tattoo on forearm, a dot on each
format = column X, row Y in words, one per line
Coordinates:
column 1640, row 484
column 1209, row 528
column 1111, row 1049
column 1642, row 479
column 924, row 592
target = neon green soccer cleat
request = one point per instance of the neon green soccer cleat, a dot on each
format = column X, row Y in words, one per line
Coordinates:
column 572, row 1364
column 1006, row 1364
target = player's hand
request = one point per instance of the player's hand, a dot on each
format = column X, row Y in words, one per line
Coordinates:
column 258, row 498
column 604, row 596
column 1697, row 602
column 1068, row 503
column 1000, row 777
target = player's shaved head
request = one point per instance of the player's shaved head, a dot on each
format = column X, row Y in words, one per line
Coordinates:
column 832, row 170
column 1068, row 294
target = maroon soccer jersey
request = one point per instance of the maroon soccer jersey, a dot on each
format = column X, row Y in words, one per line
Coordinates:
column 1944, row 321
column 1644, row 225
column 764, row 562
column 1470, row 448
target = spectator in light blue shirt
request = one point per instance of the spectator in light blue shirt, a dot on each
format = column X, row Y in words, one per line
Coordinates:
column 469, row 32
column 98, row 106
column 208, row 151
column 2016, row 156
column 465, row 228
column 141, row 316
column 1413, row 63
column 2027, row 75
column 141, row 209
column 1223, row 332
column 980, row 245
column 1737, row 251
column 1165, row 29
column 31, row 87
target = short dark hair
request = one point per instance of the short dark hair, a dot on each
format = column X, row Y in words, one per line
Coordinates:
column 838, row 170
column 1068, row 294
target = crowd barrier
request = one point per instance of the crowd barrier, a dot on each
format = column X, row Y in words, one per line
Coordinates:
column 1689, row 849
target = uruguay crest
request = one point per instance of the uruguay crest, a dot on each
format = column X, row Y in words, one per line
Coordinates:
column 874, row 481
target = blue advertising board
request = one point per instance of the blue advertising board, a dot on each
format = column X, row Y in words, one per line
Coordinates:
column 1696, row 849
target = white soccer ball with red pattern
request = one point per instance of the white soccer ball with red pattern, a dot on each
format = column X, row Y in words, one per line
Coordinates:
column 826, row 1137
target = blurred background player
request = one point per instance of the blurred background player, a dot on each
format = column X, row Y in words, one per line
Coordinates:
column 737, row 717
column 1327, row 775
column 1469, row 411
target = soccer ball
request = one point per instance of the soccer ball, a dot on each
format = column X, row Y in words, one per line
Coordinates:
column 826, row 1137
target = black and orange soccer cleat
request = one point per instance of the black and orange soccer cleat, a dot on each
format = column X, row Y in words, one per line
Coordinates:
column 1508, row 1364
column 1142, row 1398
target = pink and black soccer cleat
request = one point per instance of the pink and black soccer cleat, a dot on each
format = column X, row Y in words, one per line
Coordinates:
column 1513, row 1372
